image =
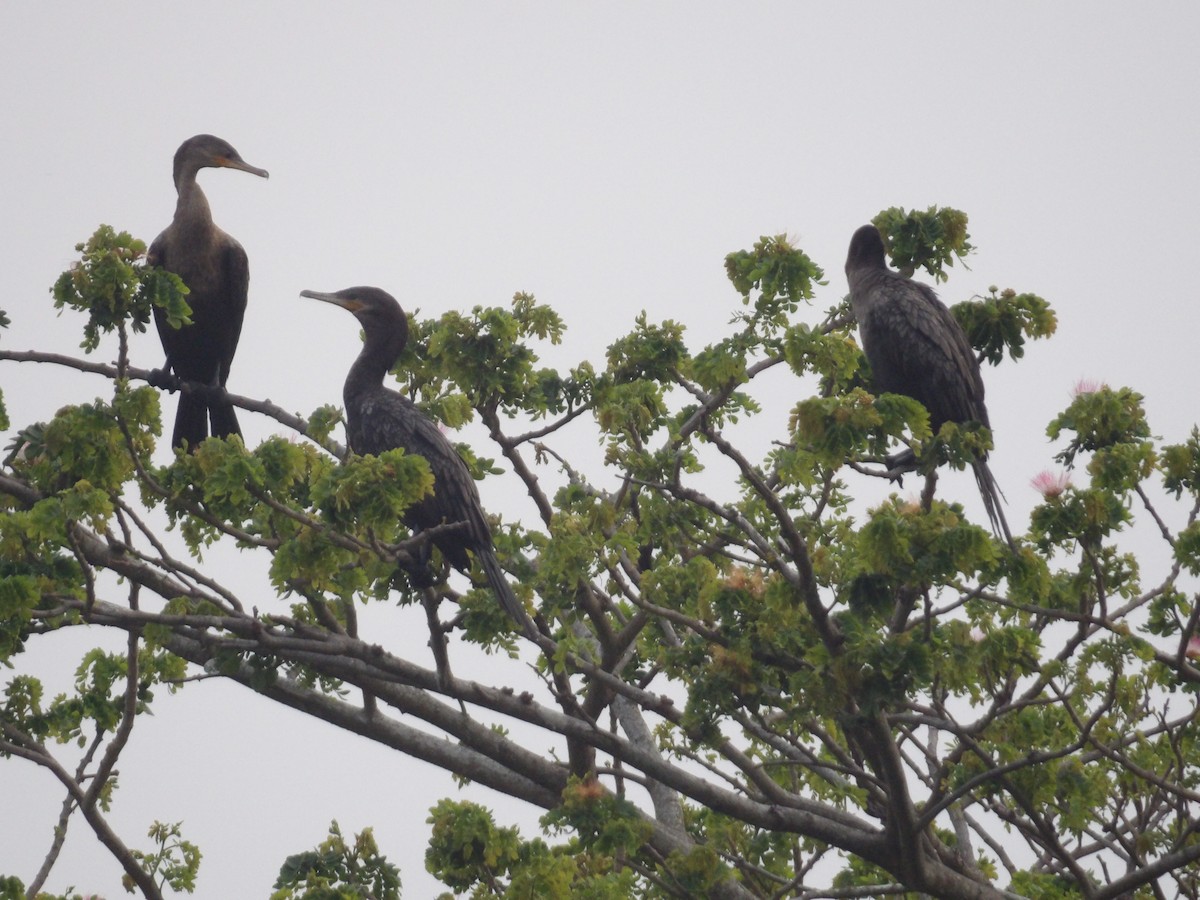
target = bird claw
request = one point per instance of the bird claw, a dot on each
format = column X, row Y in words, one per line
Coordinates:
column 163, row 380
column 209, row 392
column 900, row 464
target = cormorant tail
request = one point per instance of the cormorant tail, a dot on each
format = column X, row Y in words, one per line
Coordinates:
column 504, row 592
column 224, row 420
column 191, row 421
column 993, row 500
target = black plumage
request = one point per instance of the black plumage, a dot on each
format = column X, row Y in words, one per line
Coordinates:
column 916, row 347
column 380, row 419
column 214, row 267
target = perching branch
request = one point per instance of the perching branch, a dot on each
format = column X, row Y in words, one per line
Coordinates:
column 263, row 407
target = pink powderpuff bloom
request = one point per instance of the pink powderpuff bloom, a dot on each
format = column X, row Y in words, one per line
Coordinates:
column 1087, row 386
column 1051, row 484
column 1193, row 647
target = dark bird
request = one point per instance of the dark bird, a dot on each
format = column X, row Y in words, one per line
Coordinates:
column 214, row 267
column 379, row 419
column 917, row 348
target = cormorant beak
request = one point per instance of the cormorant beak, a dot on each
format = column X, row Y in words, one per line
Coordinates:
column 229, row 162
column 344, row 302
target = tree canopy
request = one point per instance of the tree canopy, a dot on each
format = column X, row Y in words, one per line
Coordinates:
column 753, row 683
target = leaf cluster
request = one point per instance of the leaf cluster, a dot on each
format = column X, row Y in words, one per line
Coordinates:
column 112, row 284
column 1001, row 322
column 471, row 854
column 773, row 277
column 1102, row 419
column 338, row 870
column 462, row 362
column 929, row 240
column 174, row 862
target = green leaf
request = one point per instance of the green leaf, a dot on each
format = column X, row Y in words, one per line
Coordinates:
column 113, row 287
column 931, row 240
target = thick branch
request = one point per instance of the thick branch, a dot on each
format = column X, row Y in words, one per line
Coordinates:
column 264, row 407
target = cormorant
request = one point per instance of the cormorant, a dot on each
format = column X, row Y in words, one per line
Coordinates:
column 214, row 267
column 379, row 419
column 917, row 348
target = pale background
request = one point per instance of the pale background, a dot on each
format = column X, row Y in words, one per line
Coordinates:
column 604, row 157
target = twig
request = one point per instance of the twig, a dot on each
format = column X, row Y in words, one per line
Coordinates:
column 60, row 829
column 20, row 744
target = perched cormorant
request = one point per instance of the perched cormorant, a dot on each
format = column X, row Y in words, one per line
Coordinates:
column 917, row 348
column 214, row 267
column 379, row 419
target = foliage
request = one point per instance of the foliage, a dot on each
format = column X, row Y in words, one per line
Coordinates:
column 112, row 286
column 754, row 685
column 337, row 871
column 1001, row 323
column 14, row 889
column 470, row 853
column 929, row 240
column 175, row 862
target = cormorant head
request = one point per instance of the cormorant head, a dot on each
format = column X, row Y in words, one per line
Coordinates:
column 866, row 250
column 207, row 150
column 376, row 309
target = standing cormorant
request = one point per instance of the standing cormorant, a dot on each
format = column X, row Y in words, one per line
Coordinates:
column 917, row 348
column 214, row 267
column 379, row 419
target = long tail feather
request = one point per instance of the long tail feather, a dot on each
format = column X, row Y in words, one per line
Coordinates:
column 191, row 421
column 504, row 592
column 224, row 420
column 993, row 500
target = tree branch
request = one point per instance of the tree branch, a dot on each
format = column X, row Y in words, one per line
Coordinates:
column 263, row 407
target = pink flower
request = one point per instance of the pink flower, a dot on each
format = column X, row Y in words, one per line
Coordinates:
column 1050, row 484
column 1087, row 386
column 1193, row 647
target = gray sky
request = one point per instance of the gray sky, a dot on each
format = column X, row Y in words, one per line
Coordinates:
column 605, row 158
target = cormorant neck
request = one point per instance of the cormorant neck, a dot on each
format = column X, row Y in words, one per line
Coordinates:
column 863, row 274
column 379, row 354
column 184, row 169
column 192, row 206
column 866, row 253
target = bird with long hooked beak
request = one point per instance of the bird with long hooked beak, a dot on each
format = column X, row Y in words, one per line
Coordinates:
column 217, row 273
column 917, row 348
column 380, row 419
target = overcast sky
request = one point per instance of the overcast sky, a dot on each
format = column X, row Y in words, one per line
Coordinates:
column 605, row 158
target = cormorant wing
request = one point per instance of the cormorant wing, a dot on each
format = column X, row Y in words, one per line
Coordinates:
column 916, row 347
column 387, row 420
column 235, row 267
column 157, row 256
